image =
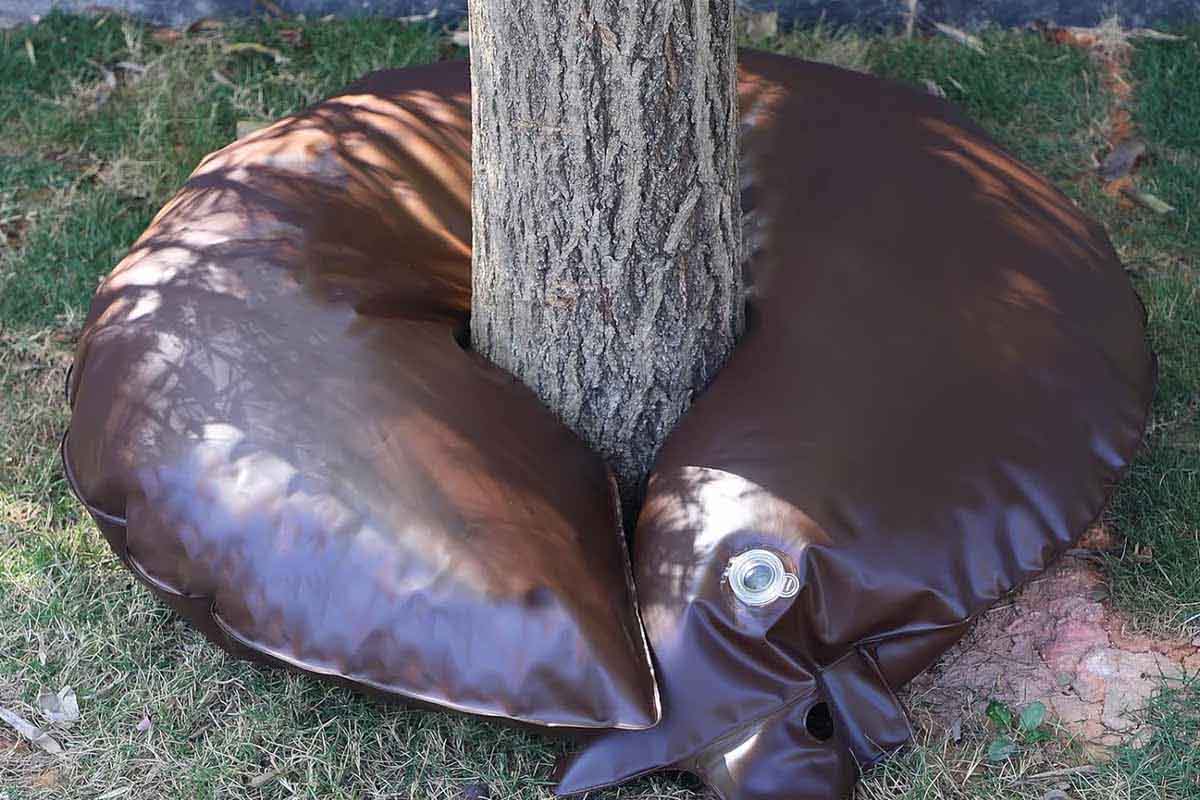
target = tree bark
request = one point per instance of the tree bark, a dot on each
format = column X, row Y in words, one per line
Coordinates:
column 607, row 222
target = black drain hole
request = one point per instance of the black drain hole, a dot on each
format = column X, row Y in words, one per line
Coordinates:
column 819, row 722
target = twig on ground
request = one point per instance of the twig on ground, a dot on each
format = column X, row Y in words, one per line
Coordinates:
column 962, row 37
column 413, row 19
column 1087, row 769
column 255, row 47
column 1148, row 200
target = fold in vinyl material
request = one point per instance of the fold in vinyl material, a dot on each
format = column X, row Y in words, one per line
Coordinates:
column 277, row 431
column 944, row 375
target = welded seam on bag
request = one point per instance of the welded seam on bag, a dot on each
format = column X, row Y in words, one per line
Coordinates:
column 73, row 485
column 379, row 686
column 130, row 560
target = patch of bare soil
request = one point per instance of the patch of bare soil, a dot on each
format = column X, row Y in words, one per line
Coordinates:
column 1057, row 641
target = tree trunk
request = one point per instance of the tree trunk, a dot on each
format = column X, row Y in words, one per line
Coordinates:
column 606, row 210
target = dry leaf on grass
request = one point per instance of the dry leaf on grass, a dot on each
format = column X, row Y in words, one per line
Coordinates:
column 47, row 780
column 1116, row 188
column 259, row 781
column 165, row 35
column 206, row 25
column 1123, row 158
column 30, row 731
column 12, row 744
column 294, row 37
column 61, row 708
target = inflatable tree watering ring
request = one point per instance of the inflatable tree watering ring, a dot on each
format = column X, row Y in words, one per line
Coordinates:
column 278, row 431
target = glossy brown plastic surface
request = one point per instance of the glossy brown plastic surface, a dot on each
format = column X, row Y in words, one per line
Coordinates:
column 277, row 431
column 944, row 375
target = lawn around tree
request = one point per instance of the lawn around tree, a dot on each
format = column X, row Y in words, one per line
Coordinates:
column 103, row 118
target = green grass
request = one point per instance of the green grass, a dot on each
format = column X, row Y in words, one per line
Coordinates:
column 1158, row 506
column 1168, row 75
column 80, row 178
column 1166, row 766
column 1038, row 99
column 128, row 153
column 1168, row 763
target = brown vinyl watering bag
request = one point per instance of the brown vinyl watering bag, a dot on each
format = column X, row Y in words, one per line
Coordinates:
column 944, row 375
column 277, row 430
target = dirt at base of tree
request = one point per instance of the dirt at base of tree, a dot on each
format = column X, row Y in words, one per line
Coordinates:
column 1059, row 641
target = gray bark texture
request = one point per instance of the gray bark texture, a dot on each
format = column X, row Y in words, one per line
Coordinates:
column 606, row 210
